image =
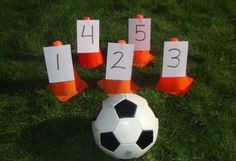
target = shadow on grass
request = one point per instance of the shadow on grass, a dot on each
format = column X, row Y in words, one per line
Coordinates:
column 9, row 86
column 145, row 77
column 61, row 139
column 24, row 57
column 196, row 58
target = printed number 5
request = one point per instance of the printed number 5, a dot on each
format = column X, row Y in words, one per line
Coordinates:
column 121, row 56
column 175, row 57
column 141, row 32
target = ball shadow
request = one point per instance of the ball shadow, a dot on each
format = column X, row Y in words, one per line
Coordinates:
column 61, row 139
column 10, row 86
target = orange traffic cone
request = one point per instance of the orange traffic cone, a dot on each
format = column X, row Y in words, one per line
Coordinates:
column 90, row 60
column 65, row 90
column 174, row 85
column 142, row 57
column 112, row 87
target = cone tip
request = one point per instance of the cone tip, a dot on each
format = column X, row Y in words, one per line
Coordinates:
column 139, row 16
column 122, row 42
column 57, row 43
column 86, row 18
column 174, row 39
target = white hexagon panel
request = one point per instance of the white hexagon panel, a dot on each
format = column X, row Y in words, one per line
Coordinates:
column 112, row 101
column 128, row 151
column 127, row 130
column 145, row 117
column 106, row 119
column 156, row 129
column 96, row 133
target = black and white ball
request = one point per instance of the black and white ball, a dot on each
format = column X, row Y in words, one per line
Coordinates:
column 125, row 126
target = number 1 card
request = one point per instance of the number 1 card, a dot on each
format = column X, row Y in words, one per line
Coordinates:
column 139, row 33
column 175, row 59
column 87, row 36
column 59, row 63
column 119, row 61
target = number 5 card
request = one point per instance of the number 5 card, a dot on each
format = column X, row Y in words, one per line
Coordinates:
column 139, row 33
column 59, row 63
column 175, row 59
column 119, row 61
column 87, row 36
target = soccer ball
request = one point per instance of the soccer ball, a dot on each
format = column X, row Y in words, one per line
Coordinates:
column 125, row 126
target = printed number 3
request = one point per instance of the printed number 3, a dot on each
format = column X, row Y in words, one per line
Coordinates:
column 175, row 57
column 116, row 63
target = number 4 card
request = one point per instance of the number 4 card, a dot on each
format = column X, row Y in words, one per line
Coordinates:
column 139, row 33
column 87, row 36
column 175, row 59
column 59, row 63
column 119, row 61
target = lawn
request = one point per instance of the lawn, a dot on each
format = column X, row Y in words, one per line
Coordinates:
column 35, row 126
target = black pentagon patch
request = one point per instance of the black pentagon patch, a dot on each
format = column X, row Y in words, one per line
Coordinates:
column 125, row 109
column 99, row 108
column 109, row 141
column 145, row 139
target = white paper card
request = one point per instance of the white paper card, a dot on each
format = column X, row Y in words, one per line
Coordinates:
column 119, row 61
column 175, row 59
column 139, row 33
column 59, row 63
column 87, row 36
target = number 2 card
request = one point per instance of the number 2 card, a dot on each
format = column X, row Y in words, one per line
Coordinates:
column 59, row 63
column 139, row 33
column 119, row 61
column 87, row 36
column 175, row 59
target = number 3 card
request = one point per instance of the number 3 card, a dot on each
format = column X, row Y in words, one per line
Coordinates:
column 119, row 61
column 59, row 63
column 175, row 59
column 139, row 33
column 87, row 36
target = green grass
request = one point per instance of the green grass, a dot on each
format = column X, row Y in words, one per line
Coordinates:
column 35, row 126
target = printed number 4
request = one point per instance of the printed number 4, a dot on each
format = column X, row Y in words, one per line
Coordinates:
column 88, row 35
column 176, row 58
column 116, row 63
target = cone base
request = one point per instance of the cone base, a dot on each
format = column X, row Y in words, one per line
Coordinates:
column 174, row 85
column 142, row 58
column 112, row 87
column 90, row 60
column 65, row 90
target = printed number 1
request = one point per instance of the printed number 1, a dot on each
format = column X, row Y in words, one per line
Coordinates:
column 88, row 35
column 175, row 57
column 58, row 67
column 121, row 56
column 141, row 32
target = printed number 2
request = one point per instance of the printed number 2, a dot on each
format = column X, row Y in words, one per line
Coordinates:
column 58, row 67
column 141, row 32
column 121, row 56
column 175, row 57
column 88, row 35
